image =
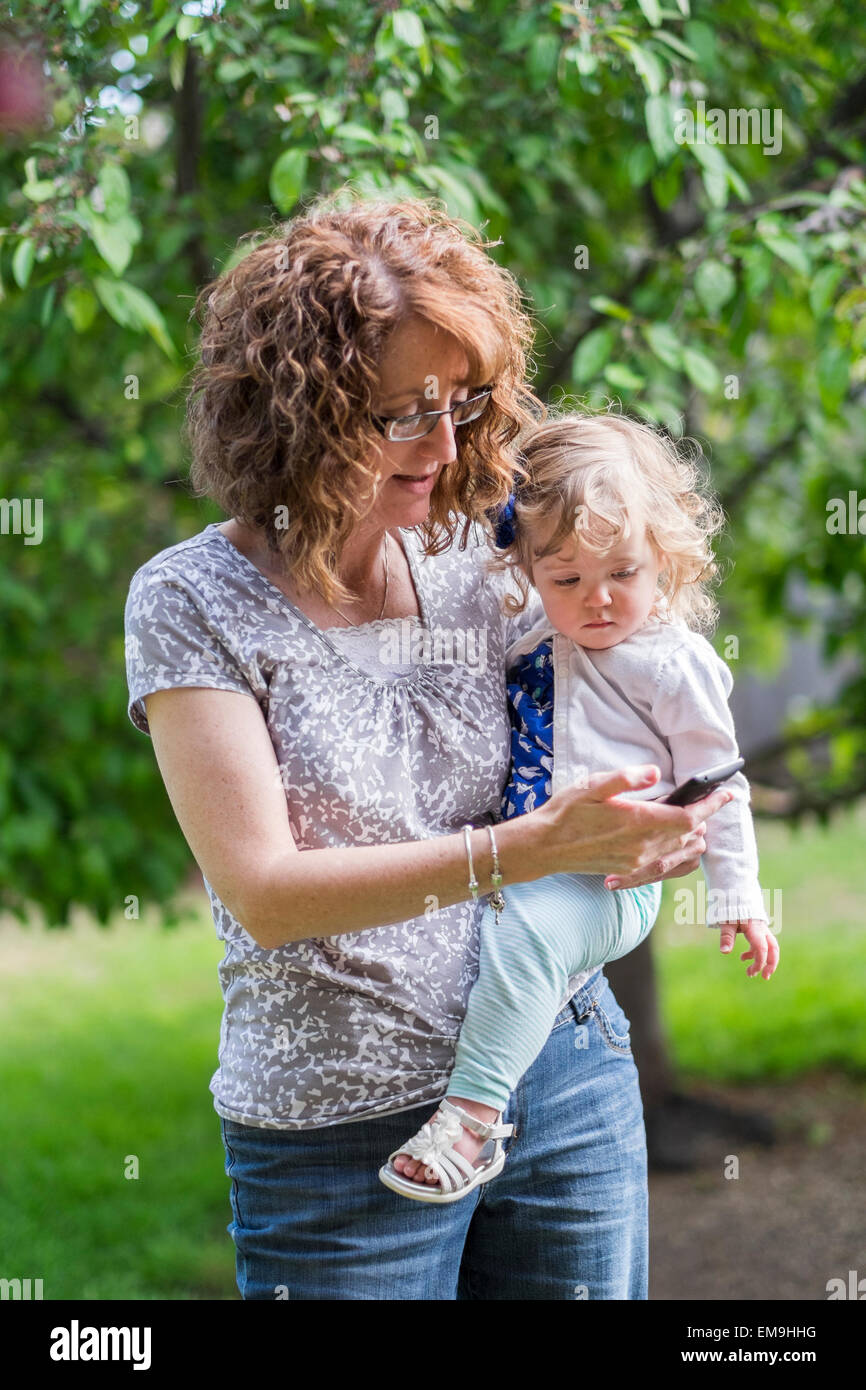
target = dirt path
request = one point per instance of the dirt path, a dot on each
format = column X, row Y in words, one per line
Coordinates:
column 793, row 1219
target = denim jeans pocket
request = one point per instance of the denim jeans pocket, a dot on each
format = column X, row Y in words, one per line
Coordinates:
column 613, row 1025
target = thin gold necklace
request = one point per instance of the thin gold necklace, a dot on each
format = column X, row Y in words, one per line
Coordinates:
column 384, row 600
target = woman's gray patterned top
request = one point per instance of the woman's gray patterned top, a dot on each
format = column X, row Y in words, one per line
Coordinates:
column 329, row 1029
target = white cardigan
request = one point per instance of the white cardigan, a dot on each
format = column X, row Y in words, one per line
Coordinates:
column 660, row 696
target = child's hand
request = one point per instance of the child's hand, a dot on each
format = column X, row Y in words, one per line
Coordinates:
column 764, row 946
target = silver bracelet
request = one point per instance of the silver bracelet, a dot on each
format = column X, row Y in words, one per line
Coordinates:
column 473, row 881
column 497, row 901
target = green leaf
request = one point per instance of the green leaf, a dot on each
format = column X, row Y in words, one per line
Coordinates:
column 667, row 184
column 602, row 305
column 408, row 28
column 759, row 270
column 640, row 163
column 542, row 59
column 176, row 66
column 787, row 249
column 664, row 343
column 659, row 124
column 38, row 192
column 652, row 11
column 709, row 157
column 293, row 43
column 47, row 306
column 592, row 353
column 116, row 192
column 491, row 200
column 232, row 70
column 393, row 104
column 287, row 179
column 114, row 240
column 702, row 38
column 714, row 172
column 677, row 45
column 700, row 370
column 715, row 283
column 80, row 307
column 622, row 377
column 585, row 61
column 132, row 308
column 350, row 130
column 646, row 64
column 834, row 367
column 738, row 184
column 79, row 11
column 455, row 188
column 716, row 185
column 22, row 262
column 823, row 288
column 187, row 25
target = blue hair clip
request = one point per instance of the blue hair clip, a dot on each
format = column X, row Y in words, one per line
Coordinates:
column 504, row 520
column 504, row 523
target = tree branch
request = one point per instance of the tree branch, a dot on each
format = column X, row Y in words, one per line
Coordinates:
column 732, row 498
column 850, row 104
column 772, row 752
column 791, row 805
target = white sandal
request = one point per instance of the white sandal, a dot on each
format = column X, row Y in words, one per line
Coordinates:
column 432, row 1145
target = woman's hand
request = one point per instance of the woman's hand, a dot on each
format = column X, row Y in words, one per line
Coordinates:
column 586, row 830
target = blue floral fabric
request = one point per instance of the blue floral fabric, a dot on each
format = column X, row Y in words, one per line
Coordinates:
column 530, row 709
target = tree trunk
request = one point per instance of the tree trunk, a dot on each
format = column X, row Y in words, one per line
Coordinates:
column 633, row 980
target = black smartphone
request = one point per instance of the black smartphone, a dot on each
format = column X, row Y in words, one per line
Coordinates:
column 699, row 786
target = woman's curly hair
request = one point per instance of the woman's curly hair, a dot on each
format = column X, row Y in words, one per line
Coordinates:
column 591, row 475
column 292, row 337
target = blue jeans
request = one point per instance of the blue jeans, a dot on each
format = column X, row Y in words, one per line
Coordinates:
column 565, row 1219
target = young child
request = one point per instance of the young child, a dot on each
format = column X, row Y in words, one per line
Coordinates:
column 611, row 528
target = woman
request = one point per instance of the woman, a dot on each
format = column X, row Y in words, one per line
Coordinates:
column 324, row 673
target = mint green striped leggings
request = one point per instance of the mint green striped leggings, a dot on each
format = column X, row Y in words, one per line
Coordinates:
column 551, row 929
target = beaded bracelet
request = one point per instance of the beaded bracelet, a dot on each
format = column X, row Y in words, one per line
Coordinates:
column 497, row 901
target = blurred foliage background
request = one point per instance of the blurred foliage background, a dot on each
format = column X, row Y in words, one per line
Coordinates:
column 716, row 288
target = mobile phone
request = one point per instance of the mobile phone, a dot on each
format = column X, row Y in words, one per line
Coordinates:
column 699, row 786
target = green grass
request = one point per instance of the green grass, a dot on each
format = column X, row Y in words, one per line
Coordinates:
column 110, row 1040
column 808, row 1016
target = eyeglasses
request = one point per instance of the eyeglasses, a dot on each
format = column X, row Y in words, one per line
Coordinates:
column 405, row 427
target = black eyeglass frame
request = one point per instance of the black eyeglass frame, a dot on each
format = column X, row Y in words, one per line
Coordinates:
column 383, row 421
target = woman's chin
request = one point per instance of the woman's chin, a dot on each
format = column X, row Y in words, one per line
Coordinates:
column 409, row 512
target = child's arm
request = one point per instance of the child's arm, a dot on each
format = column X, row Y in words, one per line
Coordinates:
column 690, row 709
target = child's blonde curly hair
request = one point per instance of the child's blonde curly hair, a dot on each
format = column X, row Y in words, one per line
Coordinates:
column 584, row 473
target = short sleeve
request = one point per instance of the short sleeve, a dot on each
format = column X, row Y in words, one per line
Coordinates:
column 170, row 642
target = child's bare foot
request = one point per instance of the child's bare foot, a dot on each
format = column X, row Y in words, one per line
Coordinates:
column 468, row 1144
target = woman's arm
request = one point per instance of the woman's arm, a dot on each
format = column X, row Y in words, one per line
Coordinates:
column 222, row 777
